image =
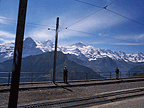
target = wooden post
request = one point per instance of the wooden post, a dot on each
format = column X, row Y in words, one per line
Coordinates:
column 13, row 98
column 55, row 52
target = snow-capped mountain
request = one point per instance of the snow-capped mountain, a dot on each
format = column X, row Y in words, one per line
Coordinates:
column 78, row 50
column 90, row 53
column 6, row 51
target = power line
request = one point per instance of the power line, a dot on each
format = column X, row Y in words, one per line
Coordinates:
column 99, row 36
column 87, row 3
column 64, row 36
column 29, row 23
column 91, row 13
column 96, row 5
column 111, row 11
column 125, row 17
column 84, row 18
column 38, row 24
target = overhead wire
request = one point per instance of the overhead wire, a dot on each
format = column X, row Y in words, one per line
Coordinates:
column 111, row 11
column 64, row 35
column 84, row 18
column 97, row 11
column 89, row 14
column 125, row 17
column 29, row 23
column 100, row 36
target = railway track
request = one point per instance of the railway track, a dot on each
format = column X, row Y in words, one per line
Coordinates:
column 88, row 101
column 74, row 84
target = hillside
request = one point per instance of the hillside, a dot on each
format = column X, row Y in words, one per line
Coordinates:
column 138, row 68
column 44, row 63
column 139, row 75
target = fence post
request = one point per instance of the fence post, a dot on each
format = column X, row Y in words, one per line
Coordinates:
column 72, row 76
column 32, row 78
column 8, row 78
column 110, row 75
column 86, row 76
column 48, row 77
column 51, row 76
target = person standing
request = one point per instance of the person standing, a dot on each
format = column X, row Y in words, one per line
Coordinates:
column 65, row 74
column 117, row 72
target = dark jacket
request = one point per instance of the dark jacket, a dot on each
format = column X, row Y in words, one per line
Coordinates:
column 65, row 70
column 117, row 71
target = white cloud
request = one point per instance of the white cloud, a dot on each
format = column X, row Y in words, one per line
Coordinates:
column 100, row 34
column 42, row 34
column 6, row 41
column 98, row 21
column 127, row 43
column 140, row 37
column 5, row 34
column 98, row 42
column 3, row 20
column 131, row 37
column 6, row 37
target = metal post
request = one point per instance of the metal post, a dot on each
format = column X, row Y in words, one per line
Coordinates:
column 110, row 75
column 13, row 98
column 8, row 78
column 86, row 76
column 32, row 78
column 55, row 52
column 51, row 76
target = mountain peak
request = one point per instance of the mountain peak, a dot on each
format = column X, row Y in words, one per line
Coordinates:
column 48, row 43
column 139, row 53
column 29, row 42
column 28, row 39
column 79, row 44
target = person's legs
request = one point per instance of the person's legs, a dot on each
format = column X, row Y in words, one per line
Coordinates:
column 64, row 77
column 117, row 75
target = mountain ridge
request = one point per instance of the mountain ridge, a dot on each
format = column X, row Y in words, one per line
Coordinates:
column 80, row 50
column 44, row 63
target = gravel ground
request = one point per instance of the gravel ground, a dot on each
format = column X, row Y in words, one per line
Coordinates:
column 137, row 102
column 66, row 92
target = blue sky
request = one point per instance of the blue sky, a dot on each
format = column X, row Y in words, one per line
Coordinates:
column 103, row 29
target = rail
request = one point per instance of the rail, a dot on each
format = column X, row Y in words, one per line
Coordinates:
column 5, row 77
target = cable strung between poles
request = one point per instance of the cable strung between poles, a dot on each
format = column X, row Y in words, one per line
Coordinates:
column 99, row 36
column 64, row 36
column 111, row 12
column 29, row 23
column 91, row 13
column 84, row 18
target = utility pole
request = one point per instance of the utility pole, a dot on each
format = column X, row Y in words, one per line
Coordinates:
column 55, row 52
column 13, row 98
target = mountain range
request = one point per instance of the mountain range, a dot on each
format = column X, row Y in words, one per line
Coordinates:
column 44, row 63
column 95, row 58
